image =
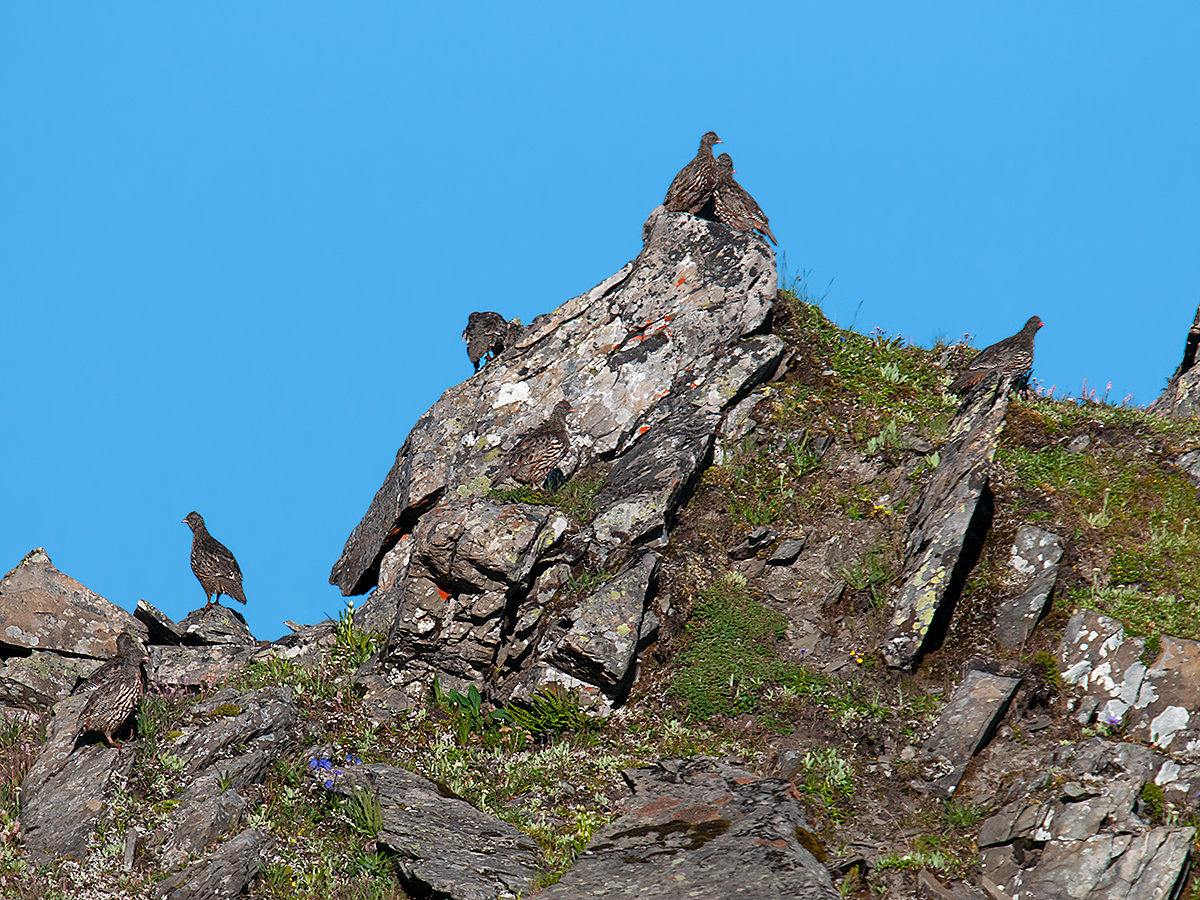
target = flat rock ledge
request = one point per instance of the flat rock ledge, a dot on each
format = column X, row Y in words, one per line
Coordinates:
column 701, row 829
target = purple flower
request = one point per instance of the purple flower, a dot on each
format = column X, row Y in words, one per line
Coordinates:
column 329, row 785
column 313, row 763
column 326, row 764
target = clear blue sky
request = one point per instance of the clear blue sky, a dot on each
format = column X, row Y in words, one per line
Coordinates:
column 239, row 242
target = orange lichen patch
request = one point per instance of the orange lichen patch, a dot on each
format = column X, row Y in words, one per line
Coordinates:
column 696, row 814
column 443, row 594
column 682, row 279
column 778, row 843
column 643, row 429
column 662, row 804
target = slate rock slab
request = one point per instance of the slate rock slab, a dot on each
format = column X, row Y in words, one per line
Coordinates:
column 446, row 847
column 965, row 725
column 701, row 829
column 63, row 792
column 224, row 873
column 193, row 826
column 1159, row 703
column 602, row 638
column 43, row 609
column 941, row 525
column 1034, row 557
column 159, row 626
column 195, row 666
column 216, row 625
column 1081, row 836
column 267, row 719
column 41, row 679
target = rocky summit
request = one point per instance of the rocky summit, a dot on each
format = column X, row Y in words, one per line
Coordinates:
column 780, row 616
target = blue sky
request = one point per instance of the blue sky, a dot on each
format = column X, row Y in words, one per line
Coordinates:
column 239, row 242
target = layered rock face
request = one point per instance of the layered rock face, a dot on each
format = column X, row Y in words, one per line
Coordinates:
column 650, row 359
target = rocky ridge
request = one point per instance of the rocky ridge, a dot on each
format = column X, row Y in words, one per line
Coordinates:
column 767, row 525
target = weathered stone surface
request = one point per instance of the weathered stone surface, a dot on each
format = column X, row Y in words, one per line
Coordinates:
column 216, row 625
column 1034, row 558
column 193, row 666
column 598, row 640
column 965, row 725
column 735, row 436
column 223, row 873
column 194, row 825
column 159, row 626
column 267, row 720
column 787, row 551
column 304, row 646
column 41, row 679
column 63, row 792
column 663, row 330
column 1158, row 703
column 60, row 818
column 700, row 829
column 446, row 847
column 1087, row 840
column 43, row 609
column 935, row 566
column 651, row 360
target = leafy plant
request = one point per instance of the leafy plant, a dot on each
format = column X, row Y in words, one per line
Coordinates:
column 466, row 711
column 553, row 710
column 364, row 812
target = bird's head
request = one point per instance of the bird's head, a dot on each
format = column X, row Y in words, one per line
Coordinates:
column 710, row 138
column 1034, row 324
column 725, row 163
column 193, row 520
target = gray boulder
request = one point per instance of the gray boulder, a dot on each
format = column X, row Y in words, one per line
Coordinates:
column 43, row 609
column 703, row 830
column 1088, row 838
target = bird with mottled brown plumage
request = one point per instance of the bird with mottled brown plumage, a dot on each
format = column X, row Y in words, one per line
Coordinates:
column 126, row 644
column 733, row 205
column 117, row 696
column 214, row 566
column 692, row 189
column 535, row 456
column 488, row 334
column 1010, row 358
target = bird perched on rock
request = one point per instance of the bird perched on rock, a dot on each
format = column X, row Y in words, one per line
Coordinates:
column 733, row 205
column 117, row 695
column 692, row 189
column 125, row 646
column 214, row 565
column 534, row 457
column 1010, row 358
column 487, row 334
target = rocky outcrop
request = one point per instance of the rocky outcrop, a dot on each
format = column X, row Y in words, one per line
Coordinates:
column 445, row 846
column 701, row 829
column 43, row 609
column 224, row 873
column 1153, row 696
column 948, row 526
column 1181, row 398
column 1088, row 834
column 650, row 359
